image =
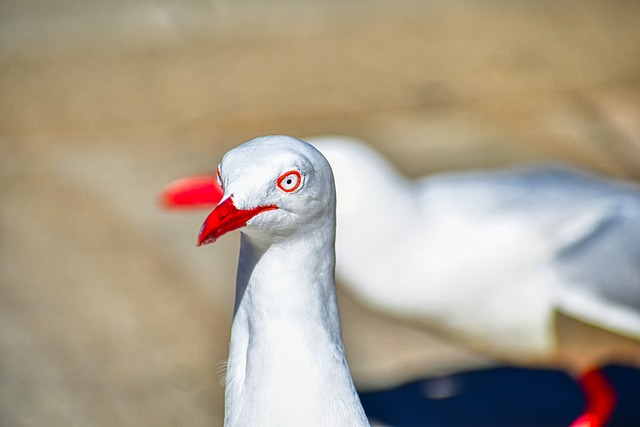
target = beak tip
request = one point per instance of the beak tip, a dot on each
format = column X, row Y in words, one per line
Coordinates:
column 205, row 240
column 200, row 241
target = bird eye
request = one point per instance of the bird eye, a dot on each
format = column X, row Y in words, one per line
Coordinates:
column 290, row 181
column 219, row 176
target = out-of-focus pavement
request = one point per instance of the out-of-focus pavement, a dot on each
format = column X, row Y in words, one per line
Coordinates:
column 109, row 315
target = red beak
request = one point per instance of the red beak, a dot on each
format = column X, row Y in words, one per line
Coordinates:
column 225, row 218
column 192, row 192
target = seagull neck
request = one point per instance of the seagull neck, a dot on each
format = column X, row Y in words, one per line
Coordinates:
column 291, row 279
column 287, row 364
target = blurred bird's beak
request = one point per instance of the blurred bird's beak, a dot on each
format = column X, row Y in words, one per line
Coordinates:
column 191, row 192
column 225, row 218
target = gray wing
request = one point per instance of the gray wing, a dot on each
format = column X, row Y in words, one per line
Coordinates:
column 594, row 222
column 599, row 273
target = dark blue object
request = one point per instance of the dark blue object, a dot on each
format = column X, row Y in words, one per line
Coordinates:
column 500, row 397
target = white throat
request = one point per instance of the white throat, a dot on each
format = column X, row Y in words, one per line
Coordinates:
column 286, row 362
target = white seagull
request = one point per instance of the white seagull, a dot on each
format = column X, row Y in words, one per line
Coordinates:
column 287, row 364
column 490, row 257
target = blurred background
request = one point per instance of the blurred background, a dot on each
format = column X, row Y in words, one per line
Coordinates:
column 109, row 315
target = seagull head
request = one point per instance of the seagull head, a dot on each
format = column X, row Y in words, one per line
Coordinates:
column 273, row 187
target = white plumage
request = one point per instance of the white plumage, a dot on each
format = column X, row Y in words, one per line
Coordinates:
column 287, row 365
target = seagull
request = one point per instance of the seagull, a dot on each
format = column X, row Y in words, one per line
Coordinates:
column 488, row 256
column 287, row 364
column 491, row 258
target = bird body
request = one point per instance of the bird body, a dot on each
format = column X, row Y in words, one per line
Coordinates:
column 489, row 256
column 287, row 365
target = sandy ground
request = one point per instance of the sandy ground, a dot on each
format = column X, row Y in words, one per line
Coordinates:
column 109, row 314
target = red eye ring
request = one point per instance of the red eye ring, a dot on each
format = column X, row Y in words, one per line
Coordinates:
column 290, row 181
